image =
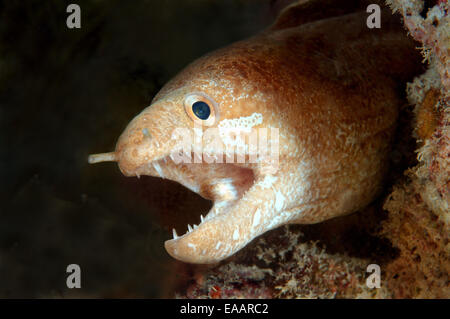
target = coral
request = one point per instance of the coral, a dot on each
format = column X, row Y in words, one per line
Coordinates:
column 433, row 169
column 433, row 31
column 423, row 267
column 306, row 270
column 284, row 265
column 426, row 115
column 230, row 280
column 419, row 216
column 432, row 130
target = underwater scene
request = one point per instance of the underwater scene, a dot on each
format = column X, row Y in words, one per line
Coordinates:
column 274, row 149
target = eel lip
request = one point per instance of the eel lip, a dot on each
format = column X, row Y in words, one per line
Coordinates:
column 171, row 247
column 194, row 246
column 208, row 243
column 185, row 249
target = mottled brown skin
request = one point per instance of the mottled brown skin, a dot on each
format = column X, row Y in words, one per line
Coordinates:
column 332, row 87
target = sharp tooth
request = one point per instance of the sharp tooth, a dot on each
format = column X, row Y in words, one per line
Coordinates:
column 197, row 157
column 195, row 226
column 158, row 169
column 201, row 219
column 189, row 228
column 174, row 233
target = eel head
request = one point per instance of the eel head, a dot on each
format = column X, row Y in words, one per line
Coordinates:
column 197, row 132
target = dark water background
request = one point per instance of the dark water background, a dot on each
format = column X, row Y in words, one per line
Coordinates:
column 66, row 93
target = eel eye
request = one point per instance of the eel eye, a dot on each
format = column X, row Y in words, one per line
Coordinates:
column 202, row 109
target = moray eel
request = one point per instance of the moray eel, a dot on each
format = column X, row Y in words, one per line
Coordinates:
column 326, row 90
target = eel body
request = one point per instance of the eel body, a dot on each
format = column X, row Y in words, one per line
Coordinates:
column 326, row 93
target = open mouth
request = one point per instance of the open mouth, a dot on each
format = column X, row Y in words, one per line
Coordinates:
column 223, row 183
column 232, row 221
column 238, row 183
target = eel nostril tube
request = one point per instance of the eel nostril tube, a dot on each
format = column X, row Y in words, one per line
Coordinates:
column 102, row 157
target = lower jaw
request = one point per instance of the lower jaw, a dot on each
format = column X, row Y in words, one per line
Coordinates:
column 242, row 179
